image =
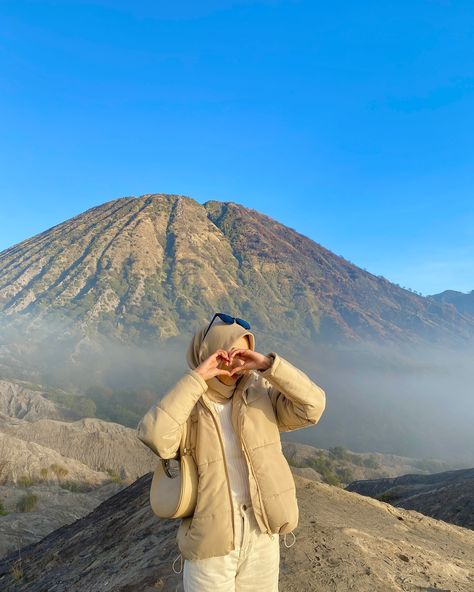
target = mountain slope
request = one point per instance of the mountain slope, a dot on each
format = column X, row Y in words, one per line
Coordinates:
column 344, row 541
column 446, row 496
column 99, row 445
column 25, row 401
column 140, row 269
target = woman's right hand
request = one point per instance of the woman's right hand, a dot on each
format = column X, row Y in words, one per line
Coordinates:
column 209, row 368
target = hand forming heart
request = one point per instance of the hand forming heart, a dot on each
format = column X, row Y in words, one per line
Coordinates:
column 240, row 360
column 248, row 360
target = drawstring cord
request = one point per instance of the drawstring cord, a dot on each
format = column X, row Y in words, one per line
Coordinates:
column 178, row 572
column 294, row 539
column 284, row 538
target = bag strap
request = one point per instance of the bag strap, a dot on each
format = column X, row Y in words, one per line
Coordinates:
column 184, row 448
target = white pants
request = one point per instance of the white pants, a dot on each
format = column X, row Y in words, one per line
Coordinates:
column 253, row 566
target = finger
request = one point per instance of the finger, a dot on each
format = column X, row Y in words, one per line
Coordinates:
column 239, row 370
column 221, row 353
column 245, row 363
column 236, row 363
column 221, row 371
column 242, row 353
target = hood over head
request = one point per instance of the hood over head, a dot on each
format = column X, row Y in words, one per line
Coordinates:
column 220, row 336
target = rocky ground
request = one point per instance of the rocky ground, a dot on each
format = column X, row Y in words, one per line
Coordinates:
column 344, row 541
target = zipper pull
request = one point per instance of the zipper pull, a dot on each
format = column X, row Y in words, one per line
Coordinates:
column 270, row 534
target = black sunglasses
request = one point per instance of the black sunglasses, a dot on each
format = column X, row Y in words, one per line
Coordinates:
column 229, row 320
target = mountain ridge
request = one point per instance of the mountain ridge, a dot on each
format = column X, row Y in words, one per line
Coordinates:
column 447, row 495
column 140, row 268
column 462, row 301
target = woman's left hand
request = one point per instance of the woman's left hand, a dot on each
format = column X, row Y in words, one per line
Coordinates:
column 250, row 360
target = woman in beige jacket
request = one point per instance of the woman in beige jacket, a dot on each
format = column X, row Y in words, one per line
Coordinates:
column 235, row 401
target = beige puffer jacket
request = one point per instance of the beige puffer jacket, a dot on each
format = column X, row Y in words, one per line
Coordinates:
column 279, row 399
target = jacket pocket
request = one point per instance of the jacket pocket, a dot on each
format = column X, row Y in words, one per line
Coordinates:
column 183, row 528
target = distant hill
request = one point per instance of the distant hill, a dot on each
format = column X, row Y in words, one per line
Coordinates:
column 340, row 466
column 462, row 302
column 100, row 445
column 446, row 496
column 140, row 269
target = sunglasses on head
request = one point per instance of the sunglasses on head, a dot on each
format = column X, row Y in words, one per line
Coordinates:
column 225, row 318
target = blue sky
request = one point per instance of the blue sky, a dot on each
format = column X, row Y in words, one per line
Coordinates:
column 350, row 122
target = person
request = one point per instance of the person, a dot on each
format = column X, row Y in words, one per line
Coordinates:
column 236, row 402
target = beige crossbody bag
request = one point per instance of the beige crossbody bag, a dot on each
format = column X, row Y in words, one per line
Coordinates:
column 173, row 491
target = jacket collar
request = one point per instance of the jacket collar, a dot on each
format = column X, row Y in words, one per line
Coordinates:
column 247, row 381
column 241, row 389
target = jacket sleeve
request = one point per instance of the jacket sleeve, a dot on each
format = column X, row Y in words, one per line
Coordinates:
column 162, row 426
column 298, row 402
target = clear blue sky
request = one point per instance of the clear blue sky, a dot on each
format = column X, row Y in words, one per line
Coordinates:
column 351, row 122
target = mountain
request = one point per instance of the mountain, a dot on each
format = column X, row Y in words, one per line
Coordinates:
column 141, row 269
column 98, row 311
column 447, row 496
column 344, row 541
column 463, row 303
column 94, row 315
